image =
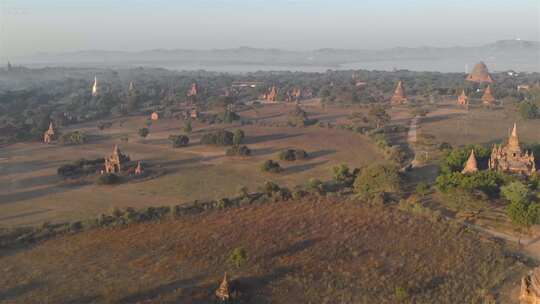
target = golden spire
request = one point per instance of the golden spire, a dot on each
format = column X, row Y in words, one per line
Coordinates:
column 471, row 165
column 513, row 141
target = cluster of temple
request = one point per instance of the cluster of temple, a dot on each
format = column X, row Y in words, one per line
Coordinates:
column 115, row 162
column 510, row 158
column 479, row 74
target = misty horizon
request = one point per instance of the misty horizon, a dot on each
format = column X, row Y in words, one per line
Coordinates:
column 31, row 27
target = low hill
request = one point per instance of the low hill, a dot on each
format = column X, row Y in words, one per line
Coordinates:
column 318, row 250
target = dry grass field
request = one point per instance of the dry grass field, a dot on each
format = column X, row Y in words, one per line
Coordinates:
column 455, row 125
column 31, row 192
column 312, row 251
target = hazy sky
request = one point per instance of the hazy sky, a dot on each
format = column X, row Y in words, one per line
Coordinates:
column 30, row 26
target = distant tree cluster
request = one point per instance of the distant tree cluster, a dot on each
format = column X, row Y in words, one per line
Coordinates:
column 218, row 138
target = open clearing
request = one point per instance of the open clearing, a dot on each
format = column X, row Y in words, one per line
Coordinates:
column 311, row 251
column 31, row 192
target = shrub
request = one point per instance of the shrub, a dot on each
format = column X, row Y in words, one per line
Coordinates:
column 238, row 137
column 488, row 182
column 229, row 116
column 292, row 154
column 316, row 184
column 143, row 132
column 528, row 110
column 187, row 127
column 104, row 125
column 73, row 138
column 422, row 189
column 238, row 151
column 238, row 257
column 377, row 179
column 521, row 210
column 342, row 174
column 80, row 167
column 178, row 141
column 218, row 138
column 108, row 179
column 271, row 166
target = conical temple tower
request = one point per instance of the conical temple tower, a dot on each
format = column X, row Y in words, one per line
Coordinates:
column 488, row 98
column 223, row 293
column 50, row 134
column 480, row 74
column 463, row 100
column 513, row 141
column 399, row 94
column 131, row 87
column 472, row 165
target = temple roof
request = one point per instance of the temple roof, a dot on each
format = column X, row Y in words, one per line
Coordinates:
column 471, row 165
column 399, row 93
column 480, row 74
column 488, row 96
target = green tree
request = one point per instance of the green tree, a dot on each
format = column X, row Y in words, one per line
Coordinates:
column 521, row 210
column 377, row 116
column 188, row 128
column 238, row 256
column 238, row 137
column 143, row 132
column 528, row 110
column 377, row 179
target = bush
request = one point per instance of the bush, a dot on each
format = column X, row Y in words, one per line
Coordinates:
column 188, row 127
column 108, row 179
column 271, row 166
column 73, row 138
column 343, row 175
column 143, row 132
column 238, row 257
column 178, row 141
column 218, row 138
column 238, row 137
column 292, row 154
column 488, row 182
column 80, row 167
column 528, row 110
column 238, row 151
column 377, row 179
column 422, row 189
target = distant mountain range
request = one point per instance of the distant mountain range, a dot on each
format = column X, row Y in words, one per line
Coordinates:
column 516, row 55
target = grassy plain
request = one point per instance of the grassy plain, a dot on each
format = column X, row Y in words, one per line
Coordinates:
column 317, row 250
column 31, row 192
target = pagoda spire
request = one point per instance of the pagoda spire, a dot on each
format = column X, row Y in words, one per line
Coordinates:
column 513, row 141
column 471, row 165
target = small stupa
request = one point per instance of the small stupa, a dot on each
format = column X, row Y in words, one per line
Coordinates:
column 463, row 99
column 50, row 134
column 139, row 169
column 488, row 98
column 472, row 165
column 399, row 94
column 223, row 293
column 480, row 74
column 193, row 91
